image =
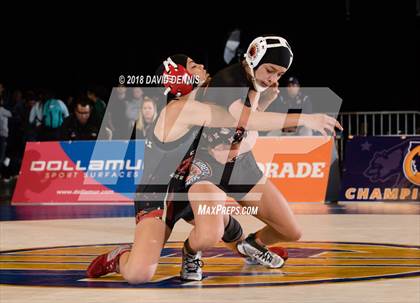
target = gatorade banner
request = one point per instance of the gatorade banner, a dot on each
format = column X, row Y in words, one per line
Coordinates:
column 106, row 172
column 381, row 169
column 298, row 166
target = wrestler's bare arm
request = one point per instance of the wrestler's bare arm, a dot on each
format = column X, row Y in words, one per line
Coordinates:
column 266, row 121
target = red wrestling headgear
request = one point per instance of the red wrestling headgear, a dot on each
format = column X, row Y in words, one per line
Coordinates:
column 177, row 80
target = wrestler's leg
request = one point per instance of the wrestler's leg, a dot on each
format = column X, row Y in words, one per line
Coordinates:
column 232, row 234
column 209, row 228
column 273, row 210
column 139, row 264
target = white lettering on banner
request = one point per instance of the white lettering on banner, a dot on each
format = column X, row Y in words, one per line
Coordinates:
column 116, row 164
column 93, row 165
column 293, row 170
column 37, row 166
column 54, row 165
column 96, row 165
column 137, row 166
column 78, row 167
column 66, row 167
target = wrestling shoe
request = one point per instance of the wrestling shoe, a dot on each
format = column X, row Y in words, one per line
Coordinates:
column 257, row 254
column 106, row 263
column 191, row 266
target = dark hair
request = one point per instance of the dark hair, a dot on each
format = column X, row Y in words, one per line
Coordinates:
column 30, row 95
column 82, row 101
column 45, row 94
column 130, row 91
column 98, row 90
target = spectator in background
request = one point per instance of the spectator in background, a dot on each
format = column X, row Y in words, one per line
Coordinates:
column 295, row 101
column 16, row 134
column 118, row 120
column 68, row 100
column 2, row 94
column 54, row 111
column 4, row 132
column 35, row 115
column 30, row 98
column 80, row 125
column 16, row 123
column 133, row 107
column 295, row 97
column 17, row 104
column 146, row 118
column 121, row 92
column 29, row 128
column 99, row 106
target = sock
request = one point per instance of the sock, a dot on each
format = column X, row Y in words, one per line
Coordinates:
column 188, row 248
column 254, row 239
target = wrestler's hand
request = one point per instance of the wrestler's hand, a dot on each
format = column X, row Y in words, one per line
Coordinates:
column 271, row 93
column 321, row 123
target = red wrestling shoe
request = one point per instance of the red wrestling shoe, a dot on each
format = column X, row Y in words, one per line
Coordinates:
column 281, row 251
column 106, row 263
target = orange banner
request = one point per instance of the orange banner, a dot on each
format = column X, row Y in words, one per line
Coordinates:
column 298, row 166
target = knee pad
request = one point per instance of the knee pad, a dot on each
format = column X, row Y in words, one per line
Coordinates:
column 233, row 231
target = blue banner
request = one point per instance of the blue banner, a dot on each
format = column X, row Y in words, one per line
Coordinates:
column 381, row 169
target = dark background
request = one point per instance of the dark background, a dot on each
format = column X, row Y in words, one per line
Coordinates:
column 367, row 53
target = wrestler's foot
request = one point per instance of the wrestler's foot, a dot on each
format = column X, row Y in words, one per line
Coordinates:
column 191, row 266
column 106, row 263
column 257, row 254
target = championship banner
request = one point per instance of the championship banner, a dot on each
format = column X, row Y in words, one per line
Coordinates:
column 106, row 172
column 381, row 169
